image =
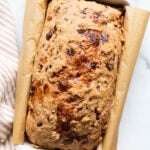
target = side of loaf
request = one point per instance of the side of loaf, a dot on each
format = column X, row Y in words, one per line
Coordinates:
column 74, row 75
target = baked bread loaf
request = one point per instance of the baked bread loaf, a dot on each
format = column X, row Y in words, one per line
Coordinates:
column 74, row 75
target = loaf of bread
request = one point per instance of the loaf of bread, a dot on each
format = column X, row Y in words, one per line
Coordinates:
column 74, row 75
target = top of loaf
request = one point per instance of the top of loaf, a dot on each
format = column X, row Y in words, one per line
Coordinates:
column 74, row 75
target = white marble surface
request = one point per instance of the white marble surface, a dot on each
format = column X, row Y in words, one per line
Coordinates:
column 135, row 124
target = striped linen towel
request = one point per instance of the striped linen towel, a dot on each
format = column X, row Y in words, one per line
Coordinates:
column 8, row 68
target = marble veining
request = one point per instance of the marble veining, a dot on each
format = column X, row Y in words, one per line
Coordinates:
column 147, row 61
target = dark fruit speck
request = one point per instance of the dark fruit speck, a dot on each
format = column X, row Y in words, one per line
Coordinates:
column 94, row 38
column 81, row 31
column 32, row 90
column 110, row 67
column 71, row 136
column 98, row 87
column 63, row 85
column 46, row 89
column 93, row 65
column 39, row 124
column 97, row 114
column 56, row 9
column 65, row 126
column 49, row 35
column 103, row 37
column 66, row 19
column 84, row 11
column 51, row 32
column 40, row 66
column 71, row 99
column 96, row 14
column 70, row 52
column 55, row 74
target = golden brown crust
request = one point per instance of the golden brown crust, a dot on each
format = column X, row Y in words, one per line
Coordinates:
column 73, row 79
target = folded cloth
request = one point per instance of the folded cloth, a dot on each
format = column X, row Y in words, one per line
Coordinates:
column 8, row 68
